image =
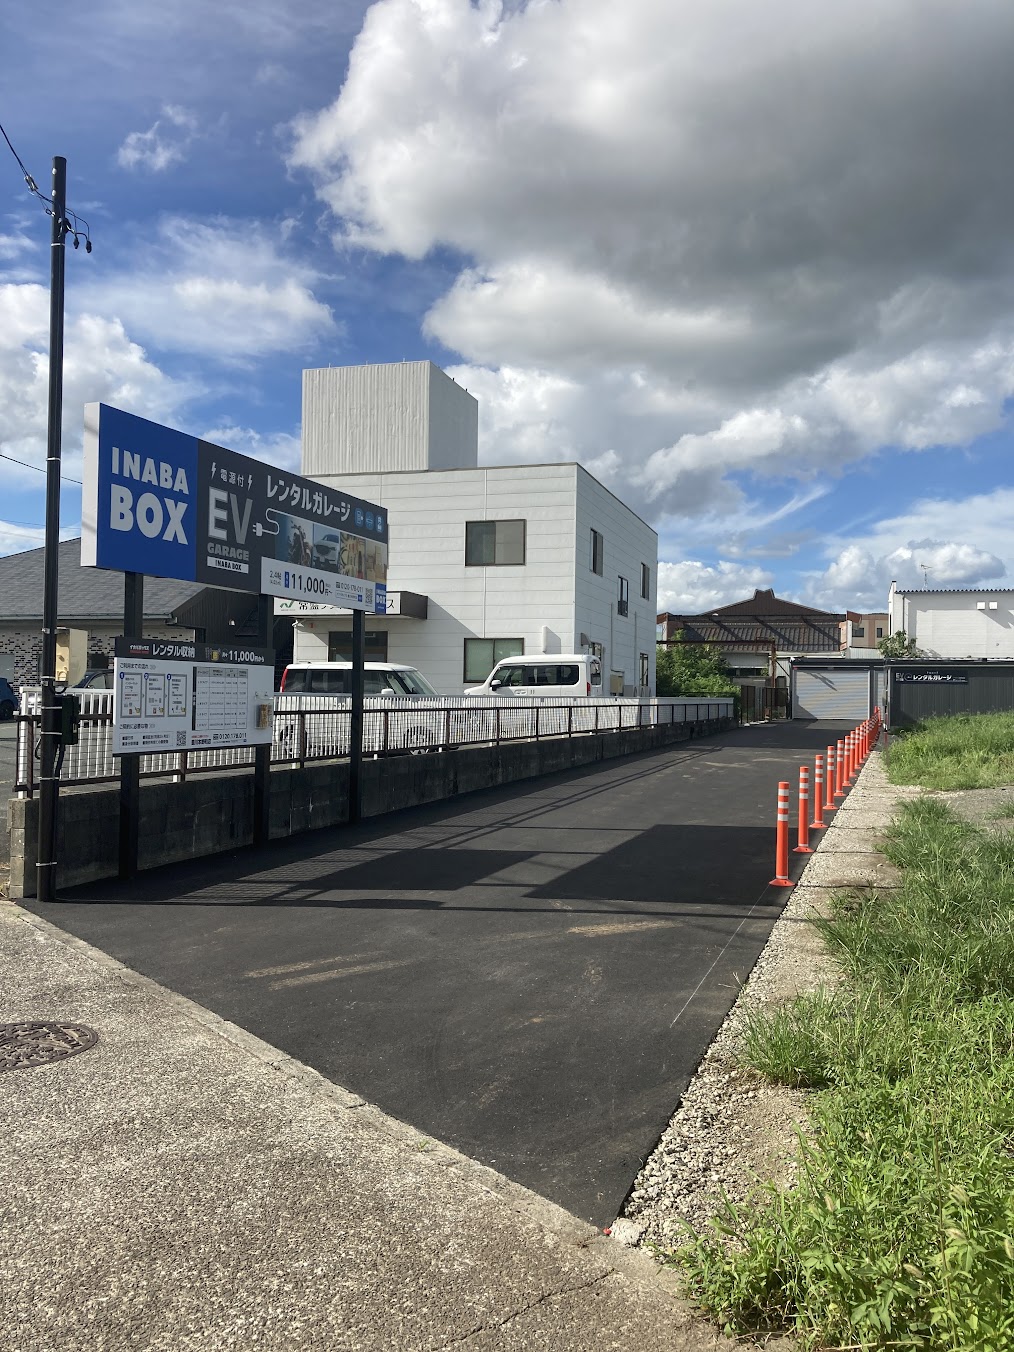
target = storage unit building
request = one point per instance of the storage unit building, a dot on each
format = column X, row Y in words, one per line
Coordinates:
column 836, row 690
column 926, row 689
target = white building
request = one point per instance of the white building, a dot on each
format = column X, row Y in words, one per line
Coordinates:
column 955, row 622
column 484, row 562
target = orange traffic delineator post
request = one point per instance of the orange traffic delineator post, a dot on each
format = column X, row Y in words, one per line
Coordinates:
column 829, row 800
column 804, row 812
column 848, row 768
column 839, row 766
column 781, row 878
column 818, row 794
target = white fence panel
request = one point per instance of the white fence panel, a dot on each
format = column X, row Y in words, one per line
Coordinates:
column 314, row 727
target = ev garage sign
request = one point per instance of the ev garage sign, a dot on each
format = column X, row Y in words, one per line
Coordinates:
column 160, row 502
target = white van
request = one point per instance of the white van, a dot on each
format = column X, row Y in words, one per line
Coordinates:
column 312, row 707
column 335, row 678
column 550, row 674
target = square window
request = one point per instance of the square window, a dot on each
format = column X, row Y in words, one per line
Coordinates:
column 858, row 631
column 494, row 543
column 482, row 655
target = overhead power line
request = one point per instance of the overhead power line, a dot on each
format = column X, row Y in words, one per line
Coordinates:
column 39, row 469
column 74, row 225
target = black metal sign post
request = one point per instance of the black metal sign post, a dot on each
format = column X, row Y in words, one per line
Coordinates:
column 130, row 763
column 262, row 754
column 356, row 720
column 48, row 788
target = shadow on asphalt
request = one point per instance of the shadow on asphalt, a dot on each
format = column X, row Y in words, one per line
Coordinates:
column 530, row 973
column 626, row 875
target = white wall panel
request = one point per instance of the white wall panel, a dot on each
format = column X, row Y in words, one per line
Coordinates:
column 950, row 624
column 395, row 416
column 553, row 590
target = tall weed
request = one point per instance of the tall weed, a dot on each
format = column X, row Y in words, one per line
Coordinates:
column 968, row 751
column 900, row 1230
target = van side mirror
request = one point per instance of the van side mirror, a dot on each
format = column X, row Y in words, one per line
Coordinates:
column 387, row 691
column 495, row 685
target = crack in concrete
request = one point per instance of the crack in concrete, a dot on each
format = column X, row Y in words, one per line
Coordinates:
column 494, row 1326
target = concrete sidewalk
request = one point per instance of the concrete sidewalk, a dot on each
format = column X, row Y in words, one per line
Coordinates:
column 182, row 1185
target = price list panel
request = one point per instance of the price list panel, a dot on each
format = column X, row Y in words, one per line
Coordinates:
column 177, row 696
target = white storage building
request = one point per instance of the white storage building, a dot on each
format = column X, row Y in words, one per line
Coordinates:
column 956, row 621
column 485, row 561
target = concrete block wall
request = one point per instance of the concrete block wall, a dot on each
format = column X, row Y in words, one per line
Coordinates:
column 211, row 814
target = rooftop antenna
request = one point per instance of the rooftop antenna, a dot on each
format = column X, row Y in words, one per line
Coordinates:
column 925, row 574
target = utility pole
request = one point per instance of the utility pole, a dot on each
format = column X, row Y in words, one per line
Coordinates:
column 48, row 783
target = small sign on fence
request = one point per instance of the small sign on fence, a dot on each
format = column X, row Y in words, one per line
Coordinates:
column 178, row 696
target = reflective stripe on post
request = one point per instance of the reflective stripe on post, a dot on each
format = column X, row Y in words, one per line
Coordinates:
column 818, row 794
column 829, row 789
column 804, row 813
column 781, row 878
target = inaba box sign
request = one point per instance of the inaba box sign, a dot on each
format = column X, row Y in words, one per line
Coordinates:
column 160, row 502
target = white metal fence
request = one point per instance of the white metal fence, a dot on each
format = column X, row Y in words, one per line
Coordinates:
column 317, row 727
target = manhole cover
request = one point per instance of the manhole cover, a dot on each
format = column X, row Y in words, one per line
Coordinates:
column 23, row 1045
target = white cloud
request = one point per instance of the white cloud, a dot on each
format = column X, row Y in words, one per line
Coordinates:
column 701, row 241
column 100, row 363
column 936, row 543
column 219, row 287
column 15, row 539
column 282, row 449
column 692, row 588
column 166, row 142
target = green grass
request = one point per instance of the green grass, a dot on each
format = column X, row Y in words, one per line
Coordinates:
column 973, row 751
column 900, row 1230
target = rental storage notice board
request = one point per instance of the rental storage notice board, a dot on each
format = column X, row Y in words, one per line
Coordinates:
column 179, row 696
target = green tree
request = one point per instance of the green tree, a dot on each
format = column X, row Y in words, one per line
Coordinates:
column 899, row 645
column 692, row 669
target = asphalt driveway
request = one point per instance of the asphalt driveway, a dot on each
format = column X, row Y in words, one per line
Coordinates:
column 530, row 974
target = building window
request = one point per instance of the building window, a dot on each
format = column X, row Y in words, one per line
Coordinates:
column 339, row 645
column 622, row 597
column 880, row 631
column 645, row 582
column 643, row 669
column 859, row 631
column 482, row 655
column 597, row 552
column 494, row 543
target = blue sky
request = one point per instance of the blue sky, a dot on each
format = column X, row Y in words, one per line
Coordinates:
column 753, row 266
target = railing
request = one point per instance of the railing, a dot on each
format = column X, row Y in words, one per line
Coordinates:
column 310, row 728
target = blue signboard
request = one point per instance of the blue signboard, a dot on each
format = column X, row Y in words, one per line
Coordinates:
column 159, row 502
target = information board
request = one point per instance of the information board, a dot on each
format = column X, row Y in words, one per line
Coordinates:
column 160, row 502
column 178, row 696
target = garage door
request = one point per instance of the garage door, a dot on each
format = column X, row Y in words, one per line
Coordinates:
column 831, row 694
